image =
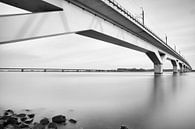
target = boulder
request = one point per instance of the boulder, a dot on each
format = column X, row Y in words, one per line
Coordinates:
column 28, row 121
column 21, row 115
column 8, row 112
column 27, row 110
column 123, row 127
column 44, row 121
column 59, row 119
column 31, row 115
column 52, row 126
column 1, row 126
column 72, row 121
column 24, row 126
column 1, row 122
column 23, row 119
column 38, row 126
column 5, row 118
column 10, row 127
column 12, row 121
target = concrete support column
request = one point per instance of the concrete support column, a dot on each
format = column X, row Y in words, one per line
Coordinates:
column 158, row 68
column 175, row 69
column 185, row 68
column 175, row 66
column 181, row 67
column 156, row 59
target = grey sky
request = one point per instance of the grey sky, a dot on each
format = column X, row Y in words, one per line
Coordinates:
column 175, row 18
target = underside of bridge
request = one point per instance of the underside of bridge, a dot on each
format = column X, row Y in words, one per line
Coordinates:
column 92, row 18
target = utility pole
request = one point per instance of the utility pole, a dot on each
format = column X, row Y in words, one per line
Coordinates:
column 165, row 38
column 142, row 14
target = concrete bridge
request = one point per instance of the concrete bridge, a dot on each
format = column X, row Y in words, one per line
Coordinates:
column 104, row 20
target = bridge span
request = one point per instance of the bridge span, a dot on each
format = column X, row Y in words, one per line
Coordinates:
column 104, row 20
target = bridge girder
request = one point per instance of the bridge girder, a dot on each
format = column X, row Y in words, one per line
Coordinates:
column 38, row 25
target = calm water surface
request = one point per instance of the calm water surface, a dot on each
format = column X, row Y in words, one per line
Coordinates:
column 104, row 100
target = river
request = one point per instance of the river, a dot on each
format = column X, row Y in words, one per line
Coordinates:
column 139, row 100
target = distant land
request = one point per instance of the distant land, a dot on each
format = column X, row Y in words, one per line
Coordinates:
column 72, row 70
column 77, row 70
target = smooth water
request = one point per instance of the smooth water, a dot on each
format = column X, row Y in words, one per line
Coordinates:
column 104, row 100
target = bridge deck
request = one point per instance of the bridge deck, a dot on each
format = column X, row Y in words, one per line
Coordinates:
column 33, row 5
column 105, row 11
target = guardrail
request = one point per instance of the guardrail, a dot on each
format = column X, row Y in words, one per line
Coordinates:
column 115, row 5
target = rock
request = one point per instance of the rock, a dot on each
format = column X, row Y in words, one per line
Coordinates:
column 27, row 110
column 8, row 112
column 24, row 126
column 31, row 115
column 1, row 122
column 44, row 121
column 72, row 121
column 1, row 126
column 38, row 126
column 21, row 115
column 12, row 121
column 5, row 118
column 123, row 127
column 28, row 121
column 52, row 126
column 9, row 127
column 23, row 119
column 59, row 119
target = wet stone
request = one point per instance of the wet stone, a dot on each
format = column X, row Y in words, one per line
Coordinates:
column 52, row 126
column 23, row 119
column 72, row 121
column 8, row 112
column 5, row 117
column 59, row 119
column 1, row 126
column 9, row 127
column 38, row 126
column 27, row 110
column 24, row 126
column 44, row 121
column 21, row 115
column 1, row 122
column 31, row 115
column 123, row 127
column 12, row 121
column 28, row 121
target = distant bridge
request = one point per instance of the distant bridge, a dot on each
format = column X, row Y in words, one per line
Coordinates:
column 104, row 20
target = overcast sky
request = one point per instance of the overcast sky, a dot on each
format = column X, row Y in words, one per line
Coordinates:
column 175, row 18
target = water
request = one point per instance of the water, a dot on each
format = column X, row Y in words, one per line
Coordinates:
column 104, row 100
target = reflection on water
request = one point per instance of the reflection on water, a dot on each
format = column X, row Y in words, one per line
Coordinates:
column 105, row 100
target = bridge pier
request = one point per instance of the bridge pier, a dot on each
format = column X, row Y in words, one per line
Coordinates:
column 158, row 68
column 157, row 59
column 181, row 67
column 175, row 66
column 185, row 68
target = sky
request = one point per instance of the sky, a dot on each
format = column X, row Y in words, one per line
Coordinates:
column 174, row 18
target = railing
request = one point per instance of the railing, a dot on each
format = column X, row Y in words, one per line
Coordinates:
column 130, row 16
column 115, row 5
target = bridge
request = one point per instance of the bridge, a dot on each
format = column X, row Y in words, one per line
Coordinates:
column 104, row 20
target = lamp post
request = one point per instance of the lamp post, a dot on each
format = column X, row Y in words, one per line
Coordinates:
column 142, row 14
